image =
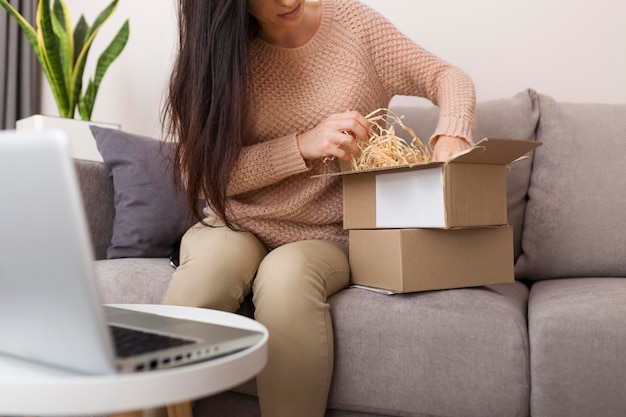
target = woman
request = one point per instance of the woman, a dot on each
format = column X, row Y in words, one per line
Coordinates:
column 258, row 98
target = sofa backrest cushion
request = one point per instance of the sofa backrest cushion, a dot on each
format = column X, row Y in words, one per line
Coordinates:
column 575, row 223
column 511, row 118
column 97, row 193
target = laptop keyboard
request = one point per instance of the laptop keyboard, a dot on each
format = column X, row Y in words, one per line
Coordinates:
column 130, row 342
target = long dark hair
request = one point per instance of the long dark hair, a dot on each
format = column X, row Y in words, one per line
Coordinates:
column 205, row 108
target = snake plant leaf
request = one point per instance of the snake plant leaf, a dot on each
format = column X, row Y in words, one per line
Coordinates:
column 109, row 55
column 102, row 17
column 62, row 52
column 59, row 9
column 92, row 31
column 62, row 30
column 85, row 103
column 48, row 43
column 80, row 34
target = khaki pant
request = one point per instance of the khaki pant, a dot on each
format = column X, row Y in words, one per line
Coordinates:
column 290, row 285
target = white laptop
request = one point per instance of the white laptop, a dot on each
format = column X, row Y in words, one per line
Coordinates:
column 50, row 309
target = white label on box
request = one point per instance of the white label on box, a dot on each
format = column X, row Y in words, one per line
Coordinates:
column 410, row 199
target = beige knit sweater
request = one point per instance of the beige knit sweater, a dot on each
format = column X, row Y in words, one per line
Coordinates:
column 356, row 61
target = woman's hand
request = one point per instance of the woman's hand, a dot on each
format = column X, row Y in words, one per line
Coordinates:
column 337, row 136
column 446, row 146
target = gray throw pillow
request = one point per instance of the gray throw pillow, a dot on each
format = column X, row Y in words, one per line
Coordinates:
column 508, row 118
column 150, row 213
column 575, row 224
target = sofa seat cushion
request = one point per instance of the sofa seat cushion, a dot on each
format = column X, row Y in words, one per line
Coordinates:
column 133, row 280
column 461, row 352
column 577, row 330
column 575, row 222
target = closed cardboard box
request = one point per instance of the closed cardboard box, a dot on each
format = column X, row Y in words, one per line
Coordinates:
column 410, row 260
column 468, row 190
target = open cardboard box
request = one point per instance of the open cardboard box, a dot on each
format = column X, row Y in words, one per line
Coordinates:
column 468, row 190
column 411, row 260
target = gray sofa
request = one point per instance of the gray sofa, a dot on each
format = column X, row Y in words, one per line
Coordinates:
column 551, row 344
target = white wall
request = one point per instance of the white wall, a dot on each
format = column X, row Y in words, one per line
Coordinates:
column 573, row 50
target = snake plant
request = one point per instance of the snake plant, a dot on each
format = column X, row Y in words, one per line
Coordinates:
column 62, row 52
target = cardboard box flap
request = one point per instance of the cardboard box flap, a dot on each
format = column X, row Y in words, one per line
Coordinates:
column 346, row 169
column 496, row 151
column 488, row 151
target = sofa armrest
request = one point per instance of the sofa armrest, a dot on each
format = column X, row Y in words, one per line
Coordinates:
column 97, row 190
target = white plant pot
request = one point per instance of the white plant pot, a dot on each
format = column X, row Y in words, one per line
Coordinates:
column 82, row 143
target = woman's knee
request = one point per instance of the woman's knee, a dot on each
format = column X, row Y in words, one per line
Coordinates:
column 216, row 269
column 301, row 271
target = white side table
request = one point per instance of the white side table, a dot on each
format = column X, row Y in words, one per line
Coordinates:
column 31, row 389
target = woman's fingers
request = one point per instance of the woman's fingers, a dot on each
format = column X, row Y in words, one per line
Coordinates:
column 354, row 123
column 447, row 146
column 337, row 136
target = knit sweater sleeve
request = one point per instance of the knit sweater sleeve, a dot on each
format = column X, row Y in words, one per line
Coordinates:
column 405, row 68
column 266, row 163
